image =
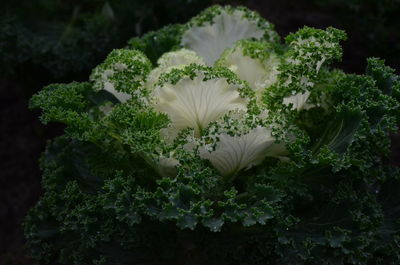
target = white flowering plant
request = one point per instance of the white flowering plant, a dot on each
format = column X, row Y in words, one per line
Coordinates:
column 213, row 142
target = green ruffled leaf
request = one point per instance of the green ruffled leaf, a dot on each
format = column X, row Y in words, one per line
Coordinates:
column 339, row 134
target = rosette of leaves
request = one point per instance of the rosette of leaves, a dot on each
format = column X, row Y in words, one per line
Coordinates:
column 234, row 148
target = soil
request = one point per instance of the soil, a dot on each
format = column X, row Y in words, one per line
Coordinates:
column 23, row 137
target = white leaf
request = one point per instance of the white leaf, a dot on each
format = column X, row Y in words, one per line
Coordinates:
column 194, row 103
column 179, row 57
column 259, row 74
column 210, row 40
column 172, row 60
column 121, row 96
column 233, row 153
column 298, row 100
column 167, row 166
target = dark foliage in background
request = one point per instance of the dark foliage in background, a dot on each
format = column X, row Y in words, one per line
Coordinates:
column 375, row 24
column 56, row 40
column 48, row 41
column 63, row 40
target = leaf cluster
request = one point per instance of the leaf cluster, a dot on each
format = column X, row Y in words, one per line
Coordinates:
column 334, row 201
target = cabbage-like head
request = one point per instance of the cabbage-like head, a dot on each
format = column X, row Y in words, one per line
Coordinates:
column 226, row 96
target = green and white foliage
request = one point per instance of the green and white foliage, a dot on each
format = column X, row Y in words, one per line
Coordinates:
column 225, row 142
column 218, row 28
column 122, row 74
column 195, row 96
column 253, row 61
column 172, row 60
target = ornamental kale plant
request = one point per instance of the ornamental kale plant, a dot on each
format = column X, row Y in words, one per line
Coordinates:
column 214, row 142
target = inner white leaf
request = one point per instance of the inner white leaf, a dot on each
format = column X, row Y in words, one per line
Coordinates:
column 260, row 75
column 210, row 40
column 172, row 60
column 298, row 100
column 233, row 153
column 194, row 103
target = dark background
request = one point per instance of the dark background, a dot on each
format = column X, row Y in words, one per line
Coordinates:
column 55, row 41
